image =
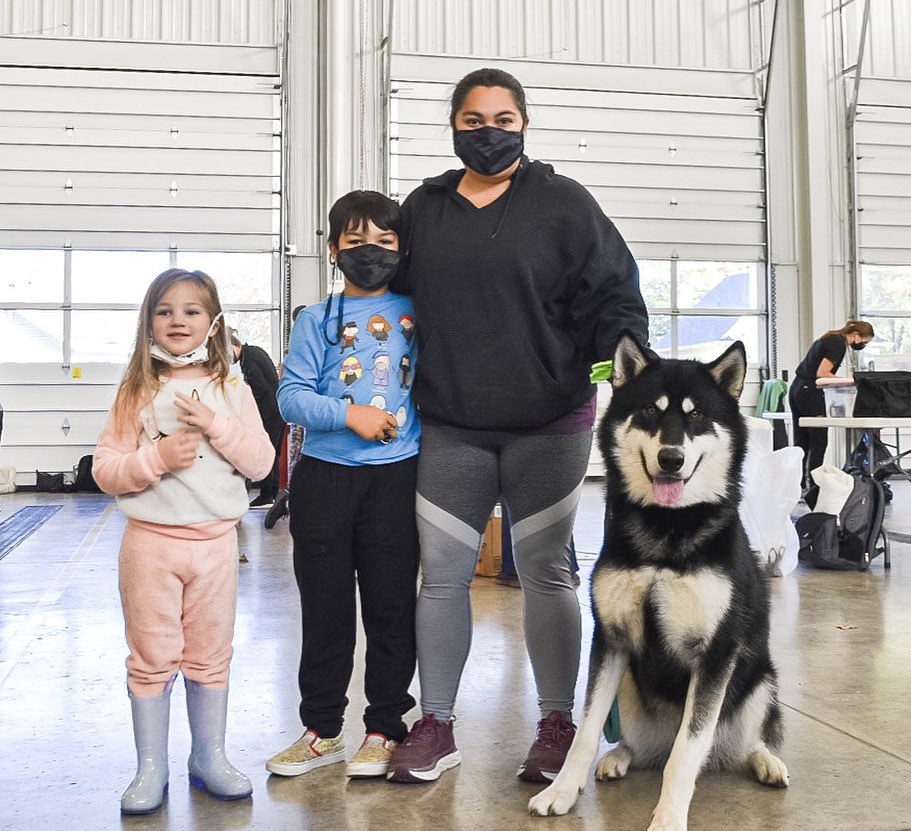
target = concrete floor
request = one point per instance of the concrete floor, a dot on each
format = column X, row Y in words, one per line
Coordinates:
column 842, row 642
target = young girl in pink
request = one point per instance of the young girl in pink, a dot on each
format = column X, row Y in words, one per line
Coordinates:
column 181, row 437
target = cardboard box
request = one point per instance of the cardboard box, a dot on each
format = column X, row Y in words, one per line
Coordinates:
column 490, row 561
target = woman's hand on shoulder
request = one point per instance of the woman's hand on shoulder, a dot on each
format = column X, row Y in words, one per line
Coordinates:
column 178, row 452
column 371, row 423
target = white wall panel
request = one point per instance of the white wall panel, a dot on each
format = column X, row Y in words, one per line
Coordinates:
column 681, row 175
column 713, row 34
column 887, row 52
column 883, row 151
column 196, row 21
column 136, row 160
column 37, row 399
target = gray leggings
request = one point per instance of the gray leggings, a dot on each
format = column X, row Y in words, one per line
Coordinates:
column 461, row 474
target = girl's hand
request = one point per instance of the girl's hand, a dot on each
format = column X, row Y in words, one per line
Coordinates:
column 195, row 413
column 371, row 423
column 178, row 452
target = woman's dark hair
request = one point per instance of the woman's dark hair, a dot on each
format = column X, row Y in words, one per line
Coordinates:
column 354, row 210
column 487, row 77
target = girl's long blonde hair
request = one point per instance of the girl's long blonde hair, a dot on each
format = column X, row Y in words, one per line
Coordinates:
column 860, row 327
column 140, row 378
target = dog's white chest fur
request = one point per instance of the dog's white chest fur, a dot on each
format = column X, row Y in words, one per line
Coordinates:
column 689, row 607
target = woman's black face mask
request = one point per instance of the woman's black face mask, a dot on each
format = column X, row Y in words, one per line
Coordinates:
column 858, row 346
column 369, row 267
column 488, row 150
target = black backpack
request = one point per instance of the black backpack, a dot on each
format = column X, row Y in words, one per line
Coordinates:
column 850, row 541
column 82, row 476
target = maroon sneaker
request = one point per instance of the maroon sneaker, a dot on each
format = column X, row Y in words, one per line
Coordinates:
column 553, row 737
column 428, row 750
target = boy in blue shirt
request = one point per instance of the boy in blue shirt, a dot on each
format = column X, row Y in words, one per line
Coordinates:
column 352, row 495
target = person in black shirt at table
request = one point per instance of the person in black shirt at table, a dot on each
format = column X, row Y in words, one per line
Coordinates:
column 821, row 361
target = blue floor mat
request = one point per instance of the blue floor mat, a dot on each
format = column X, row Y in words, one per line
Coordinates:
column 14, row 529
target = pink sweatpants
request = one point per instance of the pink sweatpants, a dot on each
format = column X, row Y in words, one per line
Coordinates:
column 179, row 600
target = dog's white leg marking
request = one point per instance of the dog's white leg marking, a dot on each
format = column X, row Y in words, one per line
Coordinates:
column 769, row 769
column 691, row 748
column 614, row 764
column 562, row 794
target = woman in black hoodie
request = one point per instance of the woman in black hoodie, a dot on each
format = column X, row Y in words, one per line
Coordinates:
column 520, row 283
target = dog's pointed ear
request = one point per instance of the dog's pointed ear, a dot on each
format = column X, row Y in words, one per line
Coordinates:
column 630, row 358
column 730, row 369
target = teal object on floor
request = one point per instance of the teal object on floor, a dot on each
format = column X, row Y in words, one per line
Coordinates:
column 20, row 525
column 612, row 725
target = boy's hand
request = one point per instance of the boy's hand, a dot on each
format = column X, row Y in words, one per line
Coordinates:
column 195, row 413
column 178, row 452
column 371, row 423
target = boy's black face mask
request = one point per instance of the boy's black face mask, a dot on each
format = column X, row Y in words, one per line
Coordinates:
column 369, row 267
column 488, row 150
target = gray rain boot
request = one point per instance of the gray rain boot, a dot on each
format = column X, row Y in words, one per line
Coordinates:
column 207, row 708
column 150, row 731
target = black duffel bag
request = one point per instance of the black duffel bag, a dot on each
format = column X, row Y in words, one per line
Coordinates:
column 883, row 394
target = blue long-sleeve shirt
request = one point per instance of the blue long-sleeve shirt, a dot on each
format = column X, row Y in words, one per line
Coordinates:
column 372, row 364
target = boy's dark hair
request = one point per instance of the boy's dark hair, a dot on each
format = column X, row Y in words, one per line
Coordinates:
column 487, row 77
column 356, row 209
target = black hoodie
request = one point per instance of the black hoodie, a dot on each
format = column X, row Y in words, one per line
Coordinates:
column 514, row 301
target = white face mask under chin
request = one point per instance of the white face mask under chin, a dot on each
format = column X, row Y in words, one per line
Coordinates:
column 198, row 356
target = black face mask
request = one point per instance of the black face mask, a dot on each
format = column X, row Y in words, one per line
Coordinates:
column 488, row 150
column 369, row 267
column 858, row 346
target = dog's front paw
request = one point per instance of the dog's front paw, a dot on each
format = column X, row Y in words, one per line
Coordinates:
column 614, row 764
column 555, row 799
column 769, row 769
column 664, row 820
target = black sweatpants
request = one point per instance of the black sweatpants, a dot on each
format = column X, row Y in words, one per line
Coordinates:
column 806, row 399
column 355, row 526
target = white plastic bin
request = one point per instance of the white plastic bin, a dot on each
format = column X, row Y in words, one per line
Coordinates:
column 840, row 400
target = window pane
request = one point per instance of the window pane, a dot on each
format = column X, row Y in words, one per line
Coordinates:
column 241, row 278
column 705, row 338
column 102, row 336
column 115, row 276
column 254, row 327
column 655, row 283
column 885, row 289
column 31, row 276
column 31, row 336
column 659, row 332
column 717, row 286
column 893, row 336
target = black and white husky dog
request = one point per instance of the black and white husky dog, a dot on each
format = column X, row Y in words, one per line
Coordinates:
column 681, row 609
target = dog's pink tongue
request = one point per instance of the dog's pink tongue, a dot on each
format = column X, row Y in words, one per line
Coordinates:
column 667, row 491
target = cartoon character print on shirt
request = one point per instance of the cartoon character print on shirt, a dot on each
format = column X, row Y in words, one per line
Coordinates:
column 405, row 372
column 379, row 327
column 378, row 401
column 349, row 336
column 407, row 324
column 381, row 368
column 351, row 370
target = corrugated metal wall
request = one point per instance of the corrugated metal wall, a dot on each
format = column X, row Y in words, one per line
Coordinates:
column 198, row 21
column 712, row 34
column 888, row 48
